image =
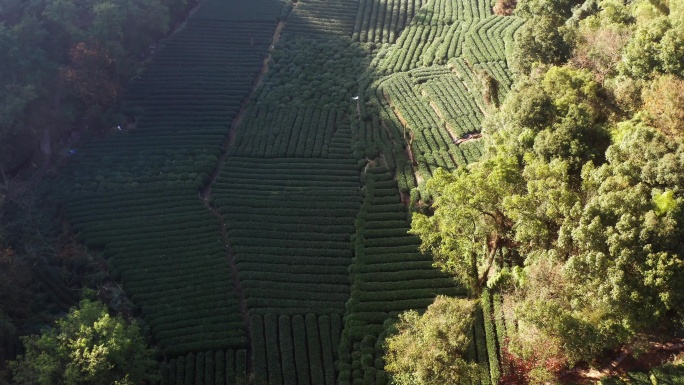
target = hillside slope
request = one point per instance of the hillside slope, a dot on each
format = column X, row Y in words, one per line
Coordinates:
column 262, row 228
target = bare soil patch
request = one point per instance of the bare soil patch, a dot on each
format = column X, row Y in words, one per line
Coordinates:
column 624, row 361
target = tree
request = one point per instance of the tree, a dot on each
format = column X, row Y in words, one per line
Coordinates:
column 599, row 49
column 588, row 221
column 87, row 346
column 23, row 71
column 89, row 74
column 431, row 349
column 519, row 193
column 539, row 41
column 664, row 103
column 558, row 113
column 671, row 53
column 611, row 271
column 63, row 63
column 504, row 7
column 108, row 19
column 147, row 21
column 658, row 42
column 628, row 236
column 540, row 211
column 544, row 38
column 554, row 8
column 641, row 56
column 469, row 228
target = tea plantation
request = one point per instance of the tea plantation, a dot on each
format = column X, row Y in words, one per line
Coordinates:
column 257, row 211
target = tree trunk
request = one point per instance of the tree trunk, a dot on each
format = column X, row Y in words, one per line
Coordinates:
column 491, row 257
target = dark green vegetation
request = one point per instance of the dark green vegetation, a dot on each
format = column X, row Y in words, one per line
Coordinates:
column 143, row 208
column 257, row 208
column 289, row 223
column 64, row 64
column 212, row 367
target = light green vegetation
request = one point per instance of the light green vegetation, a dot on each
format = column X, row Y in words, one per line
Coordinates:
column 433, row 346
column 87, row 346
column 573, row 213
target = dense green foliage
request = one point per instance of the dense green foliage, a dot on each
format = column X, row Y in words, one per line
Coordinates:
column 305, row 71
column 573, row 213
column 431, row 112
column 143, row 209
column 388, row 276
column 382, row 21
column 305, row 132
column 321, row 19
column 87, row 346
column 431, row 349
column 289, row 223
column 218, row 367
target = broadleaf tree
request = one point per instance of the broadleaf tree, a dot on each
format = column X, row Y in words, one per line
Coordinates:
column 87, row 346
column 431, row 349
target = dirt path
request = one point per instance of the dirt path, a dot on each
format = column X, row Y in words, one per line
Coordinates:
column 205, row 194
column 230, row 256
column 465, row 84
column 237, row 285
column 624, row 362
column 264, row 69
column 409, row 147
column 447, row 127
column 404, row 124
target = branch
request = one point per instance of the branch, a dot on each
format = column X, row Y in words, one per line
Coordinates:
column 487, row 213
column 490, row 261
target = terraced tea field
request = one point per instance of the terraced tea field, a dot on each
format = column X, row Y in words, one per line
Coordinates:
column 258, row 215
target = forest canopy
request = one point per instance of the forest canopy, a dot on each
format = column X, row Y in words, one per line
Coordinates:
column 87, row 346
column 574, row 213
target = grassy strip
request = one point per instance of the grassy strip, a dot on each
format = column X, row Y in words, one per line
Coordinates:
column 490, row 333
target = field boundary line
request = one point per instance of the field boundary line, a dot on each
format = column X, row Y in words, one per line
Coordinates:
column 205, row 197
